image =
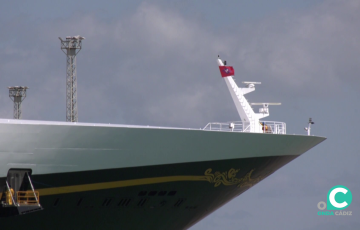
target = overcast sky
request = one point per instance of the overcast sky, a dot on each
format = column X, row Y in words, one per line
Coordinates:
column 154, row 63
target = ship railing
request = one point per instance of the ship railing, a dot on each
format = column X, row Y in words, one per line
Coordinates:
column 273, row 127
column 28, row 197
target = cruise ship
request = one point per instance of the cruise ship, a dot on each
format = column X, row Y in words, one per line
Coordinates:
column 71, row 175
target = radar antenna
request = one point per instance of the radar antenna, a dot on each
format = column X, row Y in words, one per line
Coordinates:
column 309, row 126
column 72, row 45
column 265, row 108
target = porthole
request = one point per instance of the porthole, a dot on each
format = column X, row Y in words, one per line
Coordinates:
column 152, row 193
column 142, row 193
column 106, row 202
column 79, row 202
column 142, row 202
column 56, row 202
column 124, row 202
column 179, row 202
column 172, row 193
column 162, row 193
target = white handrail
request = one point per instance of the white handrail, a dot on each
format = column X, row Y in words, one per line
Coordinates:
column 272, row 127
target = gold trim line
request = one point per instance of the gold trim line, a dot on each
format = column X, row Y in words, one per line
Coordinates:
column 226, row 178
column 116, row 184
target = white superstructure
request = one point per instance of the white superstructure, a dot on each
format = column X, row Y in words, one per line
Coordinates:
column 250, row 121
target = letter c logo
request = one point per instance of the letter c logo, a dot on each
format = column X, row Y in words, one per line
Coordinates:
column 332, row 198
column 343, row 196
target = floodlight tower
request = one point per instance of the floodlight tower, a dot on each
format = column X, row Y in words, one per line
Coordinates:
column 72, row 45
column 17, row 95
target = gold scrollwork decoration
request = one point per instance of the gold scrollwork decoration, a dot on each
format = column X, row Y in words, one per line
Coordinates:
column 229, row 178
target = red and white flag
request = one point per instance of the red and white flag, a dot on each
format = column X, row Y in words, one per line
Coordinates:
column 226, row 71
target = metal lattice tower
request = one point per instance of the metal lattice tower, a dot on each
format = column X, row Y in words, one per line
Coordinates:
column 71, row 47
column 17, row 95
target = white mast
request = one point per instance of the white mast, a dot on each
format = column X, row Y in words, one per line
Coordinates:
column 307, row 129
column 249, row 118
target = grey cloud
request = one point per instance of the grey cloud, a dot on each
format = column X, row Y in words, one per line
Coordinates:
column 152, row 66
column 317, row 49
